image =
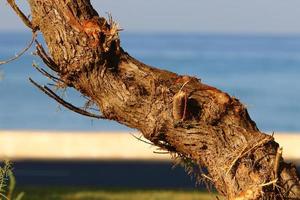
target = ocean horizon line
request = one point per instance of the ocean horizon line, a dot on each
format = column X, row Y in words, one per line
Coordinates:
column 183, row 33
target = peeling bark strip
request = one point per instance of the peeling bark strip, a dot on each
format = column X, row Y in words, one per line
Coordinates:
column 204, row 126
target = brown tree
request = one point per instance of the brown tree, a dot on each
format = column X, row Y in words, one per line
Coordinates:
column 197, row 123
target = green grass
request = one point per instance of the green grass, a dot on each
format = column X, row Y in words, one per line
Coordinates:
column 64, row 193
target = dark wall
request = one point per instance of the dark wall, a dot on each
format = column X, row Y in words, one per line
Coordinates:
column 128, row 174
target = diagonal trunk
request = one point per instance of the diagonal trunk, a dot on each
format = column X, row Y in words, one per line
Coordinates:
column 198, row 123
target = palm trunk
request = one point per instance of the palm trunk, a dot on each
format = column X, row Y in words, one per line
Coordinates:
column 195, row 122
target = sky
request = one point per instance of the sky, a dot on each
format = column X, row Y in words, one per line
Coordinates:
column 208, row 16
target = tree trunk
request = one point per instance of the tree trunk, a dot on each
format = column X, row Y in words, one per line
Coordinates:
column 197, row 123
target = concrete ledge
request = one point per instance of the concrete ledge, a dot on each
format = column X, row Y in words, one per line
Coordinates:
column 32, row 145
column 37, row 145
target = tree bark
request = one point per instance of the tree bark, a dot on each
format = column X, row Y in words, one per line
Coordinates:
column 197, row 123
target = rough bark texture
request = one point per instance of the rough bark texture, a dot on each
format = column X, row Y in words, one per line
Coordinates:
column 203, row 124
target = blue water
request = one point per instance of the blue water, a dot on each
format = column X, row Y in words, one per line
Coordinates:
column 262, row 71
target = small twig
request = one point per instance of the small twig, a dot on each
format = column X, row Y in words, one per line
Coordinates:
column 54, row 96
column 207, row 177
column 94, row 109
column 264, row 141
column 45, row 73
column 167, row 147
column 20, row 53
column 242, row 153
column 4, row 196
column 184, row 84
column 277, row 163
column 273, row 133
column 52, row 84
column 236, row 159
column 44, row 56
column 112, row 23
column 23, row 17
column 269, row 183
column 140, row 139
column 161, row 152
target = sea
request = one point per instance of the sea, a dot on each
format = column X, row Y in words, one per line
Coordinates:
column 263, row 71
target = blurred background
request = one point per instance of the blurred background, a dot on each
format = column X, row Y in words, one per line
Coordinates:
column 250, row 49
